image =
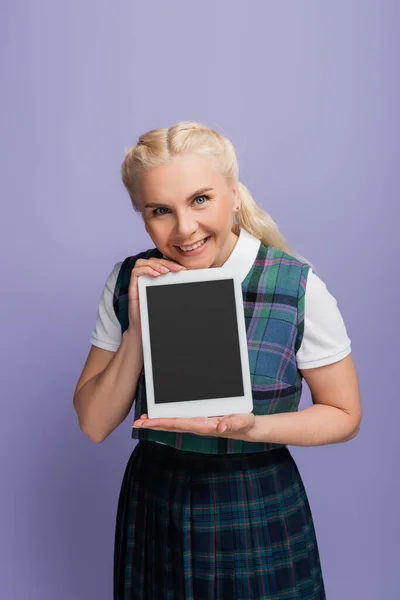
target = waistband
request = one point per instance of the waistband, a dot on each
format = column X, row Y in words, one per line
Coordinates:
column 168, row 457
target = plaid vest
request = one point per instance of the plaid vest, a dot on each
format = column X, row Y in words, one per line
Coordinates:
column 273, row 297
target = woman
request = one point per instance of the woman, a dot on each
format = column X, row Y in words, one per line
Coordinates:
column 215, row 508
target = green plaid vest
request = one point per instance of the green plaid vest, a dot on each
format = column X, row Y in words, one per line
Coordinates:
column 273, row 297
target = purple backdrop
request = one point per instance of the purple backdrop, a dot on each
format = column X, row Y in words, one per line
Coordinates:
column 309, row 94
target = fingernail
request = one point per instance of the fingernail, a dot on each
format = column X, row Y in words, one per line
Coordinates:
column 224, row 428
column 164, row 269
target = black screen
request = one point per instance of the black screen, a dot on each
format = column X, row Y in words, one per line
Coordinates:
column 194, row 341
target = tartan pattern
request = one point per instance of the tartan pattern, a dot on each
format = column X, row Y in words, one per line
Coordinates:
column 273, row 297
column 214, row 527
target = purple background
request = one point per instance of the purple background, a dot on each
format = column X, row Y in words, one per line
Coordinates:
column 309, row 94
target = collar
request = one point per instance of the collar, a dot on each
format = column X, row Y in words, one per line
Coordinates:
column 243, row 255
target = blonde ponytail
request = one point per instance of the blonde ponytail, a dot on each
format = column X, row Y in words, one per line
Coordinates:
column 259, row 223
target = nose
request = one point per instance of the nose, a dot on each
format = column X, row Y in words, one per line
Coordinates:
column 186, row 226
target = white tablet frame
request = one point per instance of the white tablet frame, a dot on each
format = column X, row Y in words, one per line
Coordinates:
column 206, row 407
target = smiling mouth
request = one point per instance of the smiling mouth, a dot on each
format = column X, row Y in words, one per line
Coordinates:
column 194, row 246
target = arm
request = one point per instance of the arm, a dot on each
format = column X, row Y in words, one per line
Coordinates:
column 106, row 388
column 334, row 417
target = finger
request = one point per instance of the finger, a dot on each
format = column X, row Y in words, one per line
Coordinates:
column 193, row 430
column 158, row 265
column 230, row 423
column 133, row 290
column 167, row 264
column 149, row 270
column 225, row 419
column 222, row 426
column 145, row 262
column 167, row 424
column 170, row 430
column 138, row 422
column 180, row 424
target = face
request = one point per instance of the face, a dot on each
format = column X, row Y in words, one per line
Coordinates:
column 187, row 202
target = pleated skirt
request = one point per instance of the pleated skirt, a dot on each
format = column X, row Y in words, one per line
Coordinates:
column 196, row 526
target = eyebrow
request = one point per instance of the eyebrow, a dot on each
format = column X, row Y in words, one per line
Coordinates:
column 191, row 197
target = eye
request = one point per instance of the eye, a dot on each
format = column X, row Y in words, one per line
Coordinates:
column 199, row 197
column 157, row 214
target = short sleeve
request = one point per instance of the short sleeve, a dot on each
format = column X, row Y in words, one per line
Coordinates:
column 107, row 332
column 325, row 340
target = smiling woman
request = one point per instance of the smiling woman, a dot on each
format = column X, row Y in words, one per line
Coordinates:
column 190, row 223
column 216, row 508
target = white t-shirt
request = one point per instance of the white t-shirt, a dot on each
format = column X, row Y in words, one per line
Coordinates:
column 325, row 338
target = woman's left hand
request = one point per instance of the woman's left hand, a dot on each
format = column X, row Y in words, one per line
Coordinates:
column 226, row 426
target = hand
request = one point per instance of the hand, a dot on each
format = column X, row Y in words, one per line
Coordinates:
column 154, row 267
column 233, row 426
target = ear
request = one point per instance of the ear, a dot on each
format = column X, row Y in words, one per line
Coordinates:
column 236, row 197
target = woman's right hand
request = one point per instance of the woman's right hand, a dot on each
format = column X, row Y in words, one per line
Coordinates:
column 154, row 267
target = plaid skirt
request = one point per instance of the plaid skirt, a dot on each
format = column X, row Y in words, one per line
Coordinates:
column 196, row 526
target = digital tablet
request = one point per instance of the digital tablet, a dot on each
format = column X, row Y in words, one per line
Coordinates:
column 195, row 352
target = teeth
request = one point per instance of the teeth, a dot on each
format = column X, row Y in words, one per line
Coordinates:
column 188, row 248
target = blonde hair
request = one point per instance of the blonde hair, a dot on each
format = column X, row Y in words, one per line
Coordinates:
column 157, row 146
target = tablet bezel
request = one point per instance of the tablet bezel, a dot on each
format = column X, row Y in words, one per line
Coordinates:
column 205, row 407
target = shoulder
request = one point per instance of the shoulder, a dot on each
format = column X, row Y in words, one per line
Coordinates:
column 319, row 299
column 285, row 270
column 325, row 334
column 280, row 256
column 121, row 271
column 107, row 331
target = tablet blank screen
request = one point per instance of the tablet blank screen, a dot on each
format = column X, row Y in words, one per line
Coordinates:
column 194, row 341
